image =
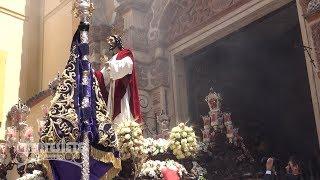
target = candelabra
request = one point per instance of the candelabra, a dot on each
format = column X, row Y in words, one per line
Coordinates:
column 16, row 149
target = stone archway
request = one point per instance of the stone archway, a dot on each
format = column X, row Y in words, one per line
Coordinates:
column 162, row 32
column 182, row 27
column 172, row 20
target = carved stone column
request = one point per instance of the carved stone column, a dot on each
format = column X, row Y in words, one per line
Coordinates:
column 309, row 16
column 160, row 81
column 131, row 18
column 97, row 43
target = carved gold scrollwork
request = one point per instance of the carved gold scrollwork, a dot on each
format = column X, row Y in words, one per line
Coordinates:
column 107, row 135
column 62, row 117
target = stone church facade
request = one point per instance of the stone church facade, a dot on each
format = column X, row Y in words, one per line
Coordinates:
column 163, row 32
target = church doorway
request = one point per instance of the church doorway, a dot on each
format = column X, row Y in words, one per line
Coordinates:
column 260, row 70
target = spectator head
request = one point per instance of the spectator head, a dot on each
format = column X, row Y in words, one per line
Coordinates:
column 293, row 166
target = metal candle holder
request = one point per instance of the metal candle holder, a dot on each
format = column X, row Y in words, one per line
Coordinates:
column 18, row 132
column 83, row 9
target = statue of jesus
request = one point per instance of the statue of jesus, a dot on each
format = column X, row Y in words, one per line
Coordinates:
column 118, row 83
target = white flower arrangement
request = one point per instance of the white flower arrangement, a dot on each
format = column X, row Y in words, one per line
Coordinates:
column 130, row 139
column 153, row 168
column 183, row 141
column 36, row 175
column 154, row 147
column 148, row 145
column 175, row 166
column 160, row 146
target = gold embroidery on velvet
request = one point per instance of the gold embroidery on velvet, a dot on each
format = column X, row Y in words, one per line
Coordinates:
column 62, row 117
column 112, row 173
column 62, row 114
column 105, row 135
column 106, row 157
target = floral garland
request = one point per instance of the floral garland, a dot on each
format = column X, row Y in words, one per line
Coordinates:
column 152, row 169
column 154, row 147
column 183, row 141
column 130, row 139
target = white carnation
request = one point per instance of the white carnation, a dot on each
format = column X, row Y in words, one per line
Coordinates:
column 182, row 141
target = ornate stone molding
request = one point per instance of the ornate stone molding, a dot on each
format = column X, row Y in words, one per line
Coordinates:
column 157, row 9
column 142, row 74
column 145, row 101
column 315, row 32
column 160, row 73
column 313, row 7
column 193, row 15
column 175, row 19
column 125, row 5
column 138, row 39
column 153, row 75
column 304, row 5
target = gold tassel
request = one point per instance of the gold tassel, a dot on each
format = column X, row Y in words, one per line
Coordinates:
column 113, row 172
column 107, row 157
column 47, row 166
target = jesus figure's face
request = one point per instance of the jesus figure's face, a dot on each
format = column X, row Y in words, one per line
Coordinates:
column 112, row 42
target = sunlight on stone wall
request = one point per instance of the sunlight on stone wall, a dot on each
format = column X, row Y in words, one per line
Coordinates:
column 11, row 33
column 57, row 37
column 3, row 57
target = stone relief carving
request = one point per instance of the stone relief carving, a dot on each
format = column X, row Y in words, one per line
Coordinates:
column 97, row 44
column 160, row 73
column 104, row 12
column 313, row 7
column 304, row 5
column 315, row 31
column 145, row 103
column 309, row 7
column 142, row 73
column 157, row 10
column 153, row 75
column 156, row 98
column 179, row 17
column 193, row 15
column 139, row 38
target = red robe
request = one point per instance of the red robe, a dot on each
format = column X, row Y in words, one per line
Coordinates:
column 121, row 86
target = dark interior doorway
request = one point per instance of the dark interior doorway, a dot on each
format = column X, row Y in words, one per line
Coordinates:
column 261, row 73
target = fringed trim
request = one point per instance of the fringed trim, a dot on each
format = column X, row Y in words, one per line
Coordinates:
column 107, row 157
column 47, row 166
column 113, row 172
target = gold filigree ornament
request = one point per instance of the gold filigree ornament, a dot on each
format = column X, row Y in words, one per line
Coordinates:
column 62, row 115
column 107, row 138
